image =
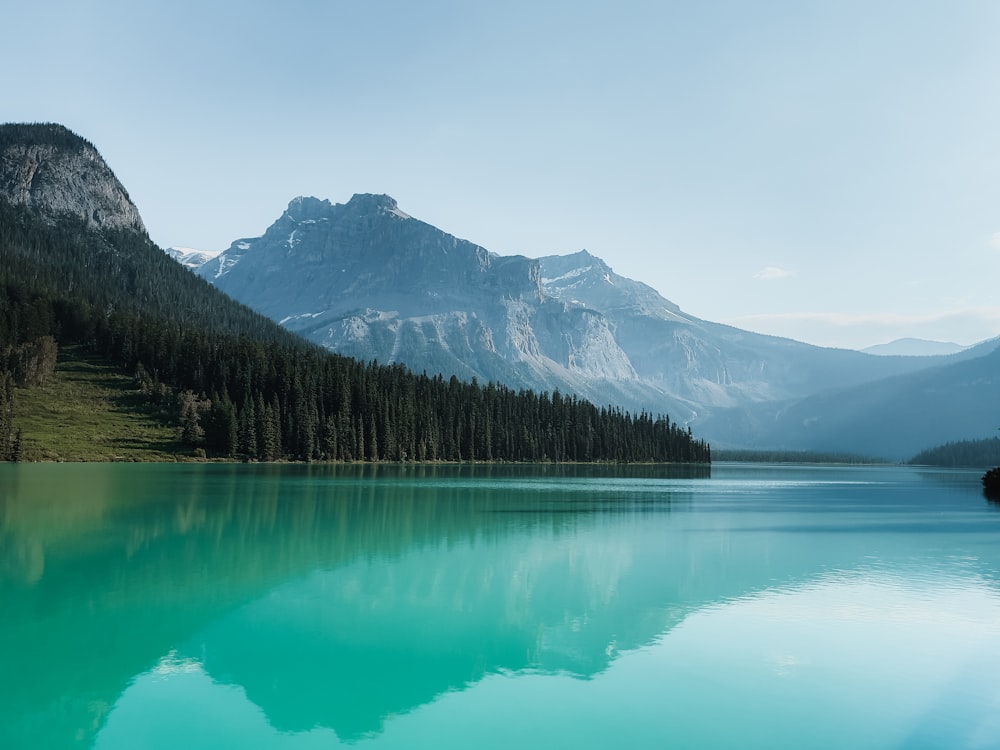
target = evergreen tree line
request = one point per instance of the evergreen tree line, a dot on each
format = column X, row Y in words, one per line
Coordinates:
column 42, row 134
column 767, row 455
column 974, row 453
column 10, row 437
column 238, row 385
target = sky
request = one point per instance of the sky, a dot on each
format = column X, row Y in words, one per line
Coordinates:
column 826, row 171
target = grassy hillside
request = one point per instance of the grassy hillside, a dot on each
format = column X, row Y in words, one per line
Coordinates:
column 90, row 411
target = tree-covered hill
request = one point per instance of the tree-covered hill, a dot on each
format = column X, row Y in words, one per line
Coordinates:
column 238, row 385
column 974, row 453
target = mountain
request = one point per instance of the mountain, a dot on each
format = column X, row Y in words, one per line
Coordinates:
column 52, row 171
column 77, row 268
column 894, row 418
column 367, row 280
column 909, row 347
column 709, row 365
column 189, row 257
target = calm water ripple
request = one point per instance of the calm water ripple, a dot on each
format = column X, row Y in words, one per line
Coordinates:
column 757, row 606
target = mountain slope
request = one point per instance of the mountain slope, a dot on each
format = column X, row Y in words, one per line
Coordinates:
column 709, row 364
column 367, row 280
column 893, row 418
column 365, row 249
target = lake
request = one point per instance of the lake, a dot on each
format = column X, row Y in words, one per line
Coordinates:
column 292, row 606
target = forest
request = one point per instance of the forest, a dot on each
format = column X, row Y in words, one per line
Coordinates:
column 971, row 453
column 238, row 386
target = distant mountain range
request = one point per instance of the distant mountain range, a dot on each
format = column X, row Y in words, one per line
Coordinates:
column 914, row 348
column 366, row 280
column 188, row 257
column 369, row 281
column 894, row 417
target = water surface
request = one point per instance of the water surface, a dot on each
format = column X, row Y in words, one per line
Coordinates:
column 202, row 606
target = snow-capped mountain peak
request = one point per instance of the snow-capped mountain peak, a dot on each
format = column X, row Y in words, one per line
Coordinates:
column 190, row 257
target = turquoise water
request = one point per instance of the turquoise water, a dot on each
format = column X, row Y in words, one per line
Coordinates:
column 193, row 606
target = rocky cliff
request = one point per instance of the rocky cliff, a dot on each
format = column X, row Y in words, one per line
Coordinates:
column 364, row 254
column 53, row 171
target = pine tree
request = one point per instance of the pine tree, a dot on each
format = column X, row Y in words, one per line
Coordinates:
column 7, row 433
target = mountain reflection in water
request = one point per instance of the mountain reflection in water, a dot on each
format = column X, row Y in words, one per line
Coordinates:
column 337, row 597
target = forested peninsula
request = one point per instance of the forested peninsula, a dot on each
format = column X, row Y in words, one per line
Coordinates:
column 232, row 384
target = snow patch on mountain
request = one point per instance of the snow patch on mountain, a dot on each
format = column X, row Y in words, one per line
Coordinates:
column 224, row 263
column 574, row 273
column 190, row 257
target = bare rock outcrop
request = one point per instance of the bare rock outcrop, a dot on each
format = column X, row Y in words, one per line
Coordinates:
column 53, row 171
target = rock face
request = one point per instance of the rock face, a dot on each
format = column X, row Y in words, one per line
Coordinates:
column 53, row 171
column 328, row 257
column 368, row 281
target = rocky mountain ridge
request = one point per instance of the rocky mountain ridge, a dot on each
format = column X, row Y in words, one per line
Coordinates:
column 366, row 248
column 367, row 280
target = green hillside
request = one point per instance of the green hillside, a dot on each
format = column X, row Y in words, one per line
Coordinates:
column 89, row 411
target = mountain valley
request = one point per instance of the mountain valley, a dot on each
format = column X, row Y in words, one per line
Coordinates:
column 77, row 269
column 369, row 281
column 402, row 303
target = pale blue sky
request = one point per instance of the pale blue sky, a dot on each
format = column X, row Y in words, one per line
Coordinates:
column 828, row 171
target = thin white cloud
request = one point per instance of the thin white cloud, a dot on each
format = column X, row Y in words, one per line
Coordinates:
column 773, row 273
column 995, row 240
column 965, row 325
column 854, row 319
